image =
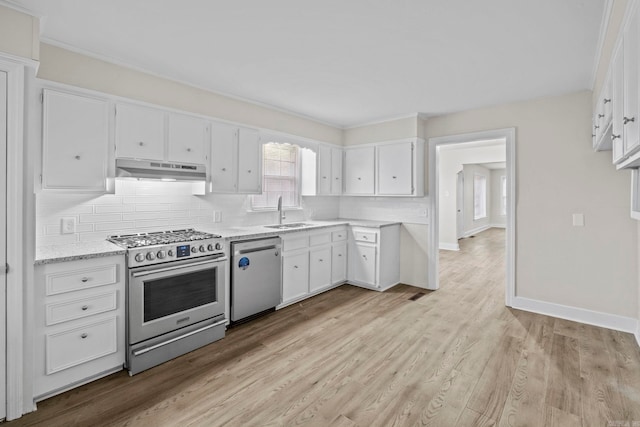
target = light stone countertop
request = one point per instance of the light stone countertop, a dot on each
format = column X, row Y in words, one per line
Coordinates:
column 76, row 251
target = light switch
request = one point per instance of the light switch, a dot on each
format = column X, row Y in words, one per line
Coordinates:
column 578, row 220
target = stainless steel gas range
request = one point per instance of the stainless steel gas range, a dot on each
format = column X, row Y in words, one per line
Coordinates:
column 175, row 294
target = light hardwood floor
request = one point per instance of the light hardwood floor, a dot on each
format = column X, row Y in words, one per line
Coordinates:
column 351, row 357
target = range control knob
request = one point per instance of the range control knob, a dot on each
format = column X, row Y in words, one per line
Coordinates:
column 194, row 249
column 219, row 246
column 170, row 253
column 161, row 254
column 151, row 256
column 202, row 248
column 139, row 257
column 210, row 247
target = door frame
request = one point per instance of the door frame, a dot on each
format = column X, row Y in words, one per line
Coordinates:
column 509, row 135
column 16, row 69
column 459, row 205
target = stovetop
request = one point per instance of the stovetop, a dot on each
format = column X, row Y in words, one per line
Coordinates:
column 140, row 240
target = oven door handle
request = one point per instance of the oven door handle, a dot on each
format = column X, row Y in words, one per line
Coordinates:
column 178, row 267
column 172, row 340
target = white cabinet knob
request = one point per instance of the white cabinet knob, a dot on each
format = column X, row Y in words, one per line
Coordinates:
column 84, row 279
column 141, row 144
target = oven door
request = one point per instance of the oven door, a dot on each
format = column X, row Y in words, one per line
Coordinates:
column 167, row 297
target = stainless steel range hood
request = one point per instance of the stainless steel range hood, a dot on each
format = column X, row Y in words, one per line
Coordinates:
column 153, row 169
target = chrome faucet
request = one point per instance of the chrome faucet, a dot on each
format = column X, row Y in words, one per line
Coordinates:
column 280, row 211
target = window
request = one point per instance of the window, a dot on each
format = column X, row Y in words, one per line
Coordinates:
column 479, row 197
column 503, row 195
column 280, row 170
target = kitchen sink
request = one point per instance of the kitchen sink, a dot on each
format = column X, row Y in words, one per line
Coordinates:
column 288, row 226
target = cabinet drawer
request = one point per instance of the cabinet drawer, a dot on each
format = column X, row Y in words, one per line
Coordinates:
column 339, row 236
column 298, row 242
column 79, row 345
column 78, row 308
column 365, row 236
column 319, row 239
column 66, row 281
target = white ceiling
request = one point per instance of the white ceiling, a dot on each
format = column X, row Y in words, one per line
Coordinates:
column 344, row 62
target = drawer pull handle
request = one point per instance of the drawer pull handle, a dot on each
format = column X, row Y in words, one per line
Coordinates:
column 141, row 143
column 339, row 255
column 84, row 335
column 365, row 238
column 364, row 256
column 320, row 259
column 627, row 120
column 393, row 177
column 614, row 136
column 295, row 266
column 324, row 177
column 600, row 116
column 224, row 169
column 607, row 100
column 77, row 157
column 249, row 171
column 189, row 150
column 84, row 279
column 85, row 307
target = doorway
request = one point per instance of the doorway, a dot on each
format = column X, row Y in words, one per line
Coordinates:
column 506, row 135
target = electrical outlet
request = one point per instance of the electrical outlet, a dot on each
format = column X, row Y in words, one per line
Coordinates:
column 217, row 216
column 578, row 220
column 68, row 225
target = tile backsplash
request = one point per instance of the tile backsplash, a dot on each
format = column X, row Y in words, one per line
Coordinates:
column 139, row 206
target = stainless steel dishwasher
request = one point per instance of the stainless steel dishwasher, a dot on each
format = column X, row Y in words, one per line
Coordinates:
column 256, row 277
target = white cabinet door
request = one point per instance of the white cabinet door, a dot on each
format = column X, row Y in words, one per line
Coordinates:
column 139, row 132
column 187, row 139
column 249, row 157
column 359, row 170
column 324, row 170
column 295, row 275
column 336, row 171
column 363, row 263
column 618, row 105
column 631, row 121
column 395, row 169
column 75, row 142
column 319, row 268
column 339, row 262
column 224, row 149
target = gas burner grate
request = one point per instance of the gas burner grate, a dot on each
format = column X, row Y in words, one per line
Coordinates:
column 139, row 240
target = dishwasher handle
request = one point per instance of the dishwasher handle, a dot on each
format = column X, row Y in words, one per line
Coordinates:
column 250, row 250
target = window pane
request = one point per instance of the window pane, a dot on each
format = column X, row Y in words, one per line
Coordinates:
column 479, row 197
column 280, row 177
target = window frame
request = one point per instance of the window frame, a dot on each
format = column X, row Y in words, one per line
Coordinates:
column 297, row 179
column 503, row 195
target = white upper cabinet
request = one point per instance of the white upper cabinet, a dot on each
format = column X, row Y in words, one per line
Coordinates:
column 617, row 94
column 631, row 93
column 139, row 132
column 329, row 177
column 235, row 159
column 395, row 169
column 603, row 116
column 359, row 171
column 155, row 134
column 187, row 139
column 324, row 170
column 75, row 142
column 249, row 161
column 385, row 169
column 336, row 171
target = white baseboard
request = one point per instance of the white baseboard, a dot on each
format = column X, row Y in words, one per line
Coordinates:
column 581, row 315
column 449, row 246
column 498, row 226
column 638, row 333
column 476, row 230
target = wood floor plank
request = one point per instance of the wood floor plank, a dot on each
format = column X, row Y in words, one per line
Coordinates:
column 353, row 357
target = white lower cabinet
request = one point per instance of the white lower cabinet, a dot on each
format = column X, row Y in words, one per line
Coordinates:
column 319, row 268
column 308, row 265
column 295, row 275
column 79, row 323
column 374, row 256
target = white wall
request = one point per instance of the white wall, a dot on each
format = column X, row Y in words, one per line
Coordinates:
column 558, row 174
column 451, row 160
column 497, row 219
